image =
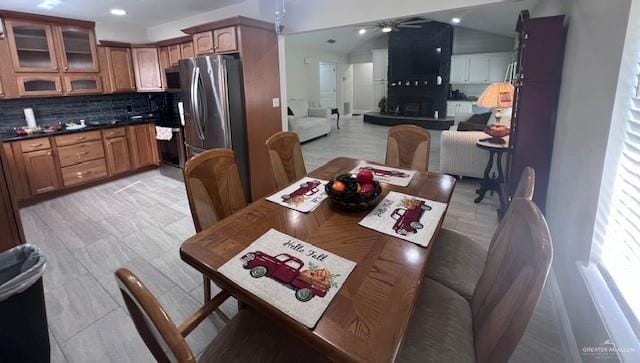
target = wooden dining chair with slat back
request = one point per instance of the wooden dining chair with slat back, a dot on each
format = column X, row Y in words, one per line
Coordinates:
column 488, row 327
column 457, row 261
column 248, row 337
column 285, row 155
column 408, row 147
column 214, row 190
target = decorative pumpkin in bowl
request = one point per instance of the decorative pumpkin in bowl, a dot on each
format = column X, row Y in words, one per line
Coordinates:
column 354, row 192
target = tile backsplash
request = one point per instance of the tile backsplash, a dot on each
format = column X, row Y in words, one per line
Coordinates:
column 61, row 109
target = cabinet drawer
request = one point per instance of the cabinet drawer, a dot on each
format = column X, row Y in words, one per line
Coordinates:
column 84, row 172
column 111, row 133
column 35, row 144
column 75, row 154
column 71, row 139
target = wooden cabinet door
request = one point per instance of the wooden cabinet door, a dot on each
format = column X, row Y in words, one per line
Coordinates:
column 120, row 70
column 203, row 43
column 117, row 154
column 39, row 85
column 187, row 50
column 32, row 46
column 143, row 145
column 146, row 66
column 163, row 54
column 175, row 54
column 459, row 69
column 10, row 225
column 82, row 84
column 41, row 171
column 224, row 40
column 78, row 48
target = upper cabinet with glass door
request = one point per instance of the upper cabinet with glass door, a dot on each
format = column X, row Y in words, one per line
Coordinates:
column 32, row 46
column 79, row 52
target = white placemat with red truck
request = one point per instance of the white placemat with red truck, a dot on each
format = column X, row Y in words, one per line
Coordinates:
column 295, row 277
column 394, row 176
column 305, row 195
column 405, row 216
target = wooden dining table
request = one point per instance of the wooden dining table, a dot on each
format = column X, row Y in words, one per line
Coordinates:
column 369, row 316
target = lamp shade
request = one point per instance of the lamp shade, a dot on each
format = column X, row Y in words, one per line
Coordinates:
column 499, row 94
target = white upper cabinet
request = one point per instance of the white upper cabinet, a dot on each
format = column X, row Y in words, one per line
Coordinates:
column 380, row 64
column 479, row 68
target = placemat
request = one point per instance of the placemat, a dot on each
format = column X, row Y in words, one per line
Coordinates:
column 297, row 278
column 399, row 177
column 305, row 195
column 405, row 216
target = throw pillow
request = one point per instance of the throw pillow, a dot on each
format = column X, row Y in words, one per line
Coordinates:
column 289, row 112
column 470, row 126
column 480, row 118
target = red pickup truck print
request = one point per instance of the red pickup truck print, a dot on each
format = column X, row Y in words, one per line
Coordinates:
column 285, row 269
column 408, row 219
column 387, row 173
column 306, row 189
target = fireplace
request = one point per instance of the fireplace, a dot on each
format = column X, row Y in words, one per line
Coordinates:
column 418, row 106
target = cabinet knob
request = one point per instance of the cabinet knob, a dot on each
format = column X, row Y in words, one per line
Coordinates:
column 66, row 68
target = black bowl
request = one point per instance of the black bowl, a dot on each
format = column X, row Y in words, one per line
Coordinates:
column 351, row 199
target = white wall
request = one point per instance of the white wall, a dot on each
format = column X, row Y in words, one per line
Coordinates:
column 306, row 15
column 347, row 88
column 363, row 53
column 363, row 87
column 467, row 41
column 303, row 80
column 120, row 32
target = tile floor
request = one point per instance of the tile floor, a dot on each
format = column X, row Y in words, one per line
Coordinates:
column 139, row 222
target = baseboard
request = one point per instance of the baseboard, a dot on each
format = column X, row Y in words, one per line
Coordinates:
column 569, row 345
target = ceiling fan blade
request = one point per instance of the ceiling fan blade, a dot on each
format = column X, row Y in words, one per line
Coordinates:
column 409, row 26
column 412, row 22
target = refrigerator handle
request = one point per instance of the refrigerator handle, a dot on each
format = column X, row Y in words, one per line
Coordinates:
column 195, row 101
column 224, row 103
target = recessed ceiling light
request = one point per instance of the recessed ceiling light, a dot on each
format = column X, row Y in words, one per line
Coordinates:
column 49, row 4
column 362, row 31
column 118, row 12
column 387, row 29
column 456, row 20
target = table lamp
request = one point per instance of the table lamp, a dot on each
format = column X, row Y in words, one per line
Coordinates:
column 498, row 95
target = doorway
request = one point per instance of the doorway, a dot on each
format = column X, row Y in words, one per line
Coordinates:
column 328, row 90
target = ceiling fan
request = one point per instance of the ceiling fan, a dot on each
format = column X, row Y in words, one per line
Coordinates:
column 396, row 25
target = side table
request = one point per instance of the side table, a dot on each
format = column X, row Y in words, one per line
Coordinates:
column 491, row 183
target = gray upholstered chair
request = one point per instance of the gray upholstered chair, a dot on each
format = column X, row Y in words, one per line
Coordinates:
column 457, row 261
column 446, row 327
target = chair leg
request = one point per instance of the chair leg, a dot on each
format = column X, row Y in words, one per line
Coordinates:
column 207, row 288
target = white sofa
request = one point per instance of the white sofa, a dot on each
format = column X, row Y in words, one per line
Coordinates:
column 308, row 123
column 459, row 154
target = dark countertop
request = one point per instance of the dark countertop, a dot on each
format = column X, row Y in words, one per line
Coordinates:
column 462, row 100
column 11, row 135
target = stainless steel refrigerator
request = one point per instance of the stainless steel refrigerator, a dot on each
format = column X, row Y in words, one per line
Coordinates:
column 211, row 88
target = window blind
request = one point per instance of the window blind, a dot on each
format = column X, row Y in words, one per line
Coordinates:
column 618, row 224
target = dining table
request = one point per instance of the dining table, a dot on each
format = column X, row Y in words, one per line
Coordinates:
column 369, row 316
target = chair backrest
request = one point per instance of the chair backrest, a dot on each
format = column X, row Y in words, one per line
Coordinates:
column 159, row 332
column 408, row 147
column 526, row 184
column 285, row 154
column 512, row 282
column 213, row 186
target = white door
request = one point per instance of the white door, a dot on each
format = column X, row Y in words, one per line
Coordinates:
column 498, row 64
column 479, row 69
column 363, row 89
column 459, row 64
column 380, row 64
column 328, row 91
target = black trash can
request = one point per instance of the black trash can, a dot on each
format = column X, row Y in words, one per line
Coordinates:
column 24, row 333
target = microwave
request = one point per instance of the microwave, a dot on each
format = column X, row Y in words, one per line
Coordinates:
column 172, row 75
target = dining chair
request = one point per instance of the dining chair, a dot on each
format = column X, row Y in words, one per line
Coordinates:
column 214, row 190
column 248, row 337
column 408, row 147
column 457, row 261
column 446, row 327
column 285, row 155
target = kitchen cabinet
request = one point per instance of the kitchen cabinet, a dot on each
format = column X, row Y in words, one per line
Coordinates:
column 41, row 171
column 117, row 154
column 186, row 50
column 84, row 172
column 82, row 84
column 175, row 54
column 31, row 46
column 380, row 64
column 479, row 68
column 117, row 72
column 39, row 84
column 77, row 154
column 1, row 89
column 203, row 43
column 12, row 234
column 163, row 55
column 143, row 145
column 224, row 40
column 78, row 49
column 454, row 107
column 146, row 65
